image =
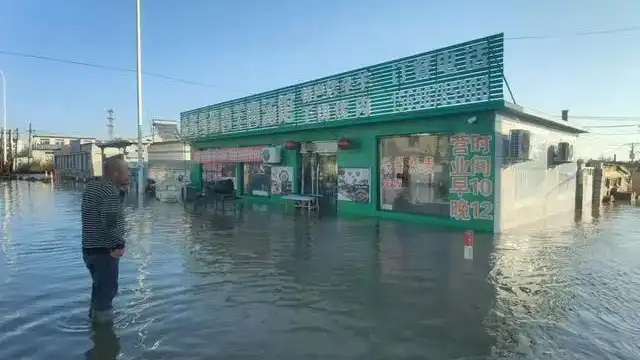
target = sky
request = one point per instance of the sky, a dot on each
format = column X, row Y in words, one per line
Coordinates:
column 243, row 47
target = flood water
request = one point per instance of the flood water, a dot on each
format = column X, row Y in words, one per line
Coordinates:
column 263, row 285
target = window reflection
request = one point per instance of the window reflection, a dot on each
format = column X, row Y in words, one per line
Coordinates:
column 415, row 174
column 257, row 179
column 220, row 171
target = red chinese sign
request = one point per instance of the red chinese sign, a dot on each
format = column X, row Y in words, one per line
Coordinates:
column 413, row 162
column 460, row 209
column 471, row 180
column 391, row 183
column 460, row 144
column 428, row 163
column 229, row 155
column 459, row 185
column 391, row 166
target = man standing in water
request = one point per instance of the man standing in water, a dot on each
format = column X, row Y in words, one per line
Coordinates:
column 103, row 231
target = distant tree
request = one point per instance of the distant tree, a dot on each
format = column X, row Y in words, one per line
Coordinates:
column 23, row 153
column 35, row 167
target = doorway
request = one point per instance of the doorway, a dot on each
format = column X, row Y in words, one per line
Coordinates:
column 319, row 174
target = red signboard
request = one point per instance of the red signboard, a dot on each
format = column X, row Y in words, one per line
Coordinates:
column 229, row 155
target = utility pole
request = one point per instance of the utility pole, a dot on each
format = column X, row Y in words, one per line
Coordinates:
column 30, row 131
column 8, row 147
column 139, row 103
column 632, row 153
column 2, row 149
column 16, row 137
column 4, row 117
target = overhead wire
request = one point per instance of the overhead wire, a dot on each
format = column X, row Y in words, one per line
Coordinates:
column 615, row 134
column 101, row 66
column 581, row 33
column 198, row 83
column 610, row 126
column 596, row 117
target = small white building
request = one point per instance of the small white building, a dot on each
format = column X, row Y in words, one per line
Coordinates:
column 59, row 140
column 170, row 167
column 43, row 148
column 80, row 161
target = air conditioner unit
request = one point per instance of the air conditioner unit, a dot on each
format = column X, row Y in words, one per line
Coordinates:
column 519, row 144
column 271, row 155
column 565, row 152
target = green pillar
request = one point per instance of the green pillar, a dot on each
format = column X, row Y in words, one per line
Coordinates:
column 292, row 158
column 240, row 179
column 196, row 176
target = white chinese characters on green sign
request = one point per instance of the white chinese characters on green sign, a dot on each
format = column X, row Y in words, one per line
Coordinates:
column 458, row 75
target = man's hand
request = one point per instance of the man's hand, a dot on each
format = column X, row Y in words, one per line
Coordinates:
column 116, row 254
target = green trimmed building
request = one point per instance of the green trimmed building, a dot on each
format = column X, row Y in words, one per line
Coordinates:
column 425, row 138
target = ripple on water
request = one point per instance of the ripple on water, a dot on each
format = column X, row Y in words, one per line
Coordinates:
column 260, row 284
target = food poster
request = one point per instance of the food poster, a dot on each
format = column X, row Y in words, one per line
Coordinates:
column 354, row 185
column 281, row 180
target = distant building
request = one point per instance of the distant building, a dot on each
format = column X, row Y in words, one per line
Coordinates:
column 43, row 147
column 170, row 167
column 81, row 157
column 59, row 140
column 79, row 160
column 165, row 130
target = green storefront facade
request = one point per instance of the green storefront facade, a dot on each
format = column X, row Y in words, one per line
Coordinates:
column 411, row 139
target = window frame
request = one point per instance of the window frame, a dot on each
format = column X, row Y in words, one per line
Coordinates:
column 244, row 183
column 378, row 168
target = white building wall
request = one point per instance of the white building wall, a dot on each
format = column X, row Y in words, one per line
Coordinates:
column 84, row 163
column 62, row 140
column 170, row 167
column 531, row 191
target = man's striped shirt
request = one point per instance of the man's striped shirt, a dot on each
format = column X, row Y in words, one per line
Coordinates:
column 103, row 225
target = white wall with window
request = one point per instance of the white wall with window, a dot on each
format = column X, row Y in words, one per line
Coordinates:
column 532, row 189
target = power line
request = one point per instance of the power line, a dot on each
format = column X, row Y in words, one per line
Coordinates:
column 609, row 118
column 620, row 134
column 582, row 33
column 99, row 66
column 197, row 83
column 611, row 126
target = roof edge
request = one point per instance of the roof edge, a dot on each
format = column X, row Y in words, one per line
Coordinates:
column 542, row 118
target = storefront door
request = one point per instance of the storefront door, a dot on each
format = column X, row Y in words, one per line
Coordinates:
column 328, row 181
column 320, row 177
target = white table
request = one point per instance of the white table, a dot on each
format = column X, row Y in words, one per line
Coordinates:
column 308, row 202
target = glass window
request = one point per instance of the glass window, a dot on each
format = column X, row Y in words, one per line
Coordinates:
column 257, row 179
column 414, row 174
column 213, row 172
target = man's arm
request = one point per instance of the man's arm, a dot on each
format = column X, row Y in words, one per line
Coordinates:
column 112, row 221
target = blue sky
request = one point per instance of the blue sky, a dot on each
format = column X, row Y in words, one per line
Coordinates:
column 247, row 46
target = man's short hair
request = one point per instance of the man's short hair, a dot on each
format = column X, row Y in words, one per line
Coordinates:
column 112, row 164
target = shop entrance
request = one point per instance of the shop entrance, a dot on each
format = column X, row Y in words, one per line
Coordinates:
column 319, row 173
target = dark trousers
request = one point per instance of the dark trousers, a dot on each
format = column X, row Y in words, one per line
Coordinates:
column 104, row 274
